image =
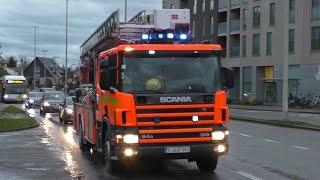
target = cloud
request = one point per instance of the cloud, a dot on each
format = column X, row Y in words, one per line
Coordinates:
column 18, row 16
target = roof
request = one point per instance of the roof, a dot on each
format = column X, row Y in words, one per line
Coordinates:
column 14, row 78
column 49, row 64
column 10, row 71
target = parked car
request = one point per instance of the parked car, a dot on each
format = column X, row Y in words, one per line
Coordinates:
column 33, row 99
column 51, row 102
column 66, row 110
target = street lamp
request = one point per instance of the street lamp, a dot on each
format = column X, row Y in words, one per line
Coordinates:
column 66, row 67
column 285, row 59
column 35, row 54
column 45, row 69
column 125, row 10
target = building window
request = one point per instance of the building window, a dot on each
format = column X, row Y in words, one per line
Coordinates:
column 256, row 17
column 292, row 9
column 315, row 9
column 204, row 6
column 211, row 24
column 244, row 1
column 203, row 27
column 315, row 39
column 244, row 46
column 193, row 29
column 244, row 19
column 269, row 43
column 256, row 45
column 172, row 6
column 291, row 41
column 195, row 7
column 247, row 80
column 272, row 18
column 211, row 4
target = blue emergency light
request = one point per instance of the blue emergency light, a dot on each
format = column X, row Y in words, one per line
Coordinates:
column 183, row 36
column 160, row 36
column 145, row 36
column 170, row 36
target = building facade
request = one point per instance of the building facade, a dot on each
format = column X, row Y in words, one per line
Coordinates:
column 251, row 34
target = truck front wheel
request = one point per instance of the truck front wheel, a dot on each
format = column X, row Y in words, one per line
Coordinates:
column 207, row 165
column 111, row 165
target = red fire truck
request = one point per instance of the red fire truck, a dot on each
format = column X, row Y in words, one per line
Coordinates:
column 156, row 95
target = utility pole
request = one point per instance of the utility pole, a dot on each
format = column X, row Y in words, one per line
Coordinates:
column 126, row 10
column 285, row 59
column 45, row 69
column 66, row 67
column 35, row 55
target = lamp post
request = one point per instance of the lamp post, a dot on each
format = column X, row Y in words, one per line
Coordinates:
column 45, row 69
column 35, row 55
column 55, row 68
column 126, row 10
column 285, row 59
column 66, row 65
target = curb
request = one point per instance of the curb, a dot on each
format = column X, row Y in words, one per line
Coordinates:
column 273, row 123
column 292, row 111
column 37, row 124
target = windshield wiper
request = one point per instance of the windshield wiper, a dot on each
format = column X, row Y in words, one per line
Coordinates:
column 189, row 90
column 147, row 92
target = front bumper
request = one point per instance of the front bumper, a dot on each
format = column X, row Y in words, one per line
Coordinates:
column 69, row 117
column 197, row 151
column 50, row 109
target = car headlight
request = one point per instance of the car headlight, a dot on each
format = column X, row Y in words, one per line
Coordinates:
column 6, row 96
column 46, row 104
column 24, row 96
column 218, row 135
column 131, row 139
column 69, row 111
column 31, row 101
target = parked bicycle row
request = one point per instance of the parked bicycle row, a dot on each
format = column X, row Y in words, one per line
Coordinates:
column 307, row 101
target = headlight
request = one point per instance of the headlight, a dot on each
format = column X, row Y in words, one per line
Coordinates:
column 24, row 96
column 46, row 104
column 5, row 96
column 130, row 139
column 69, row 111
column 218, row 135
column 31, row 101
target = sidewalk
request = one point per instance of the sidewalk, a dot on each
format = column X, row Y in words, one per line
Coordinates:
column 273, row 108
column 311, row 118
column 2, row 106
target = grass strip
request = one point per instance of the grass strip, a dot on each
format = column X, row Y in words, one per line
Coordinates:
column 12, row 110
column 9, row 124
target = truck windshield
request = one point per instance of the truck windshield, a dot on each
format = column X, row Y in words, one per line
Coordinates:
column 16, row 88
column 171, row 75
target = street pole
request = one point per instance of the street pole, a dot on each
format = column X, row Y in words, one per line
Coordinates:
column 126, row 10
column 285, row 59
column 45, row 69
column 66, row 67
column 35, row 55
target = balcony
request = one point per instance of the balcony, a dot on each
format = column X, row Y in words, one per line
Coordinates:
column 235, row 25
column 223, row 4
column 235, row 2
column 222, row 27
column 235, row 51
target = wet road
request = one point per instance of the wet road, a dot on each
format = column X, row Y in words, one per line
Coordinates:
column 256, row 152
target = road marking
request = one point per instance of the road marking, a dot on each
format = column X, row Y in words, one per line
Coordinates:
column 37, row 169
column 299, row 147
column 245, row 135
column 247, row 175
column 268, row 140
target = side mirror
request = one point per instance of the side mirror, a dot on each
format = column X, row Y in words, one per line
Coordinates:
column 227, row 77
column 104, row 64
column 105, row 79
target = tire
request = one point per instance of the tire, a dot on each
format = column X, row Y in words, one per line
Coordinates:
column 82, row 145
column 65, row 121
column 112, row 166
column 207, row 165
column 41, row 112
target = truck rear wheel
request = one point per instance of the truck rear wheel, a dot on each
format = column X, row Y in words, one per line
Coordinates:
column 207, row 165
column 83, row 147
column 111, row 165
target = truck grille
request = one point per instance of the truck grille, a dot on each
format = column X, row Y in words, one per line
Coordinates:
column 174, row 123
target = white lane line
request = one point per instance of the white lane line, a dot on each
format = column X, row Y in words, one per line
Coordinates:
column 245, row 135
column 268, row 140
column 299, row 147
column 247, row 175
column 37, row 169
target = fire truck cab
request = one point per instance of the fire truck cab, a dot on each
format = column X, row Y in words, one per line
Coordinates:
column 157, row 97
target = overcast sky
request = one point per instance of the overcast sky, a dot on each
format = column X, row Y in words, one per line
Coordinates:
column 18, row 16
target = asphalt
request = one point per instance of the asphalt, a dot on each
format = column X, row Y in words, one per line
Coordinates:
column 256, row 152
column 310, row 118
